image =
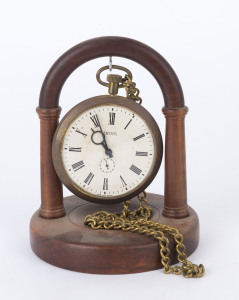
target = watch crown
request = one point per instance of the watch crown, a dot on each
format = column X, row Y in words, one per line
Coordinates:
column 114, row 82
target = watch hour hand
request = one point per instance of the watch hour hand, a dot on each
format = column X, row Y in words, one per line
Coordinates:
column 98, row 138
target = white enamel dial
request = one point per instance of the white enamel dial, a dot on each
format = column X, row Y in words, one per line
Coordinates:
column 108, row 151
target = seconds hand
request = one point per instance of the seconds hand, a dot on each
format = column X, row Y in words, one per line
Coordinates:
column 103, row 143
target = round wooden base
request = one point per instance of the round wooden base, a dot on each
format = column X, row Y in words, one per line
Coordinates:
column 67, row 243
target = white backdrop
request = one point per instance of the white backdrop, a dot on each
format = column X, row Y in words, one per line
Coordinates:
column 200, row 40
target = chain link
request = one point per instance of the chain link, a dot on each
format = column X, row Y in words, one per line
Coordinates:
column 139, row 220
column 131, row 90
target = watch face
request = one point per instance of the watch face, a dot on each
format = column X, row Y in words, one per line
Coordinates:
column 108, row 151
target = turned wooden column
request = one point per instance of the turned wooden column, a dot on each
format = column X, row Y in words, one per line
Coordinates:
column 175, row 188
column 51, row 187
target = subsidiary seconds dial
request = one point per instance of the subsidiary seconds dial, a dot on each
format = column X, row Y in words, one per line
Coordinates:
column 108, row 151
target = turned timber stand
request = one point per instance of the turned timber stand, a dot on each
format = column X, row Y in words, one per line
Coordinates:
column 57, row 233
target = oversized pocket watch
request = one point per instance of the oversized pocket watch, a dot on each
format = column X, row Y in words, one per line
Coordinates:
column 107, row 150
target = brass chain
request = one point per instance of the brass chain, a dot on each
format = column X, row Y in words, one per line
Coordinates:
column 131, row 90
column 138, row 221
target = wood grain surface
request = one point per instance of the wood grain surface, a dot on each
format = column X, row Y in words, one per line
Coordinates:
column 67, row 243
column 111, row 46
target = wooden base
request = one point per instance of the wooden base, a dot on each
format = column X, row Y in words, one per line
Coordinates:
column 67, row 243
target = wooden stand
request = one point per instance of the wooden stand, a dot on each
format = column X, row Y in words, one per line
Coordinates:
column 65, row 241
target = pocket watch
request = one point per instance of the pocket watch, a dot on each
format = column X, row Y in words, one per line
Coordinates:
column 107, row 149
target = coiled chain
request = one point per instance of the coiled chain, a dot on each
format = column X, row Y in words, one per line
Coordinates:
column 138, row 221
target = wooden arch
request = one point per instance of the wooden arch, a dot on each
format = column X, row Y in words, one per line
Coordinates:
column 175, row 203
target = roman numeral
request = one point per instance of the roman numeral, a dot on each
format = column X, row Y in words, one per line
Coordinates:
column 138, row 137
column 77, row 166
column 95, row 120
column 135, row 169
column 122, row 180
column 75, row 149
column 89, row 178
column 84, row 134
column 105, row 184
column 138, row 153
column 112, row 118
column 128, row 124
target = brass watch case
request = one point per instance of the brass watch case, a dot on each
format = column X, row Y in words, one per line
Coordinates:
column 89, row 104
